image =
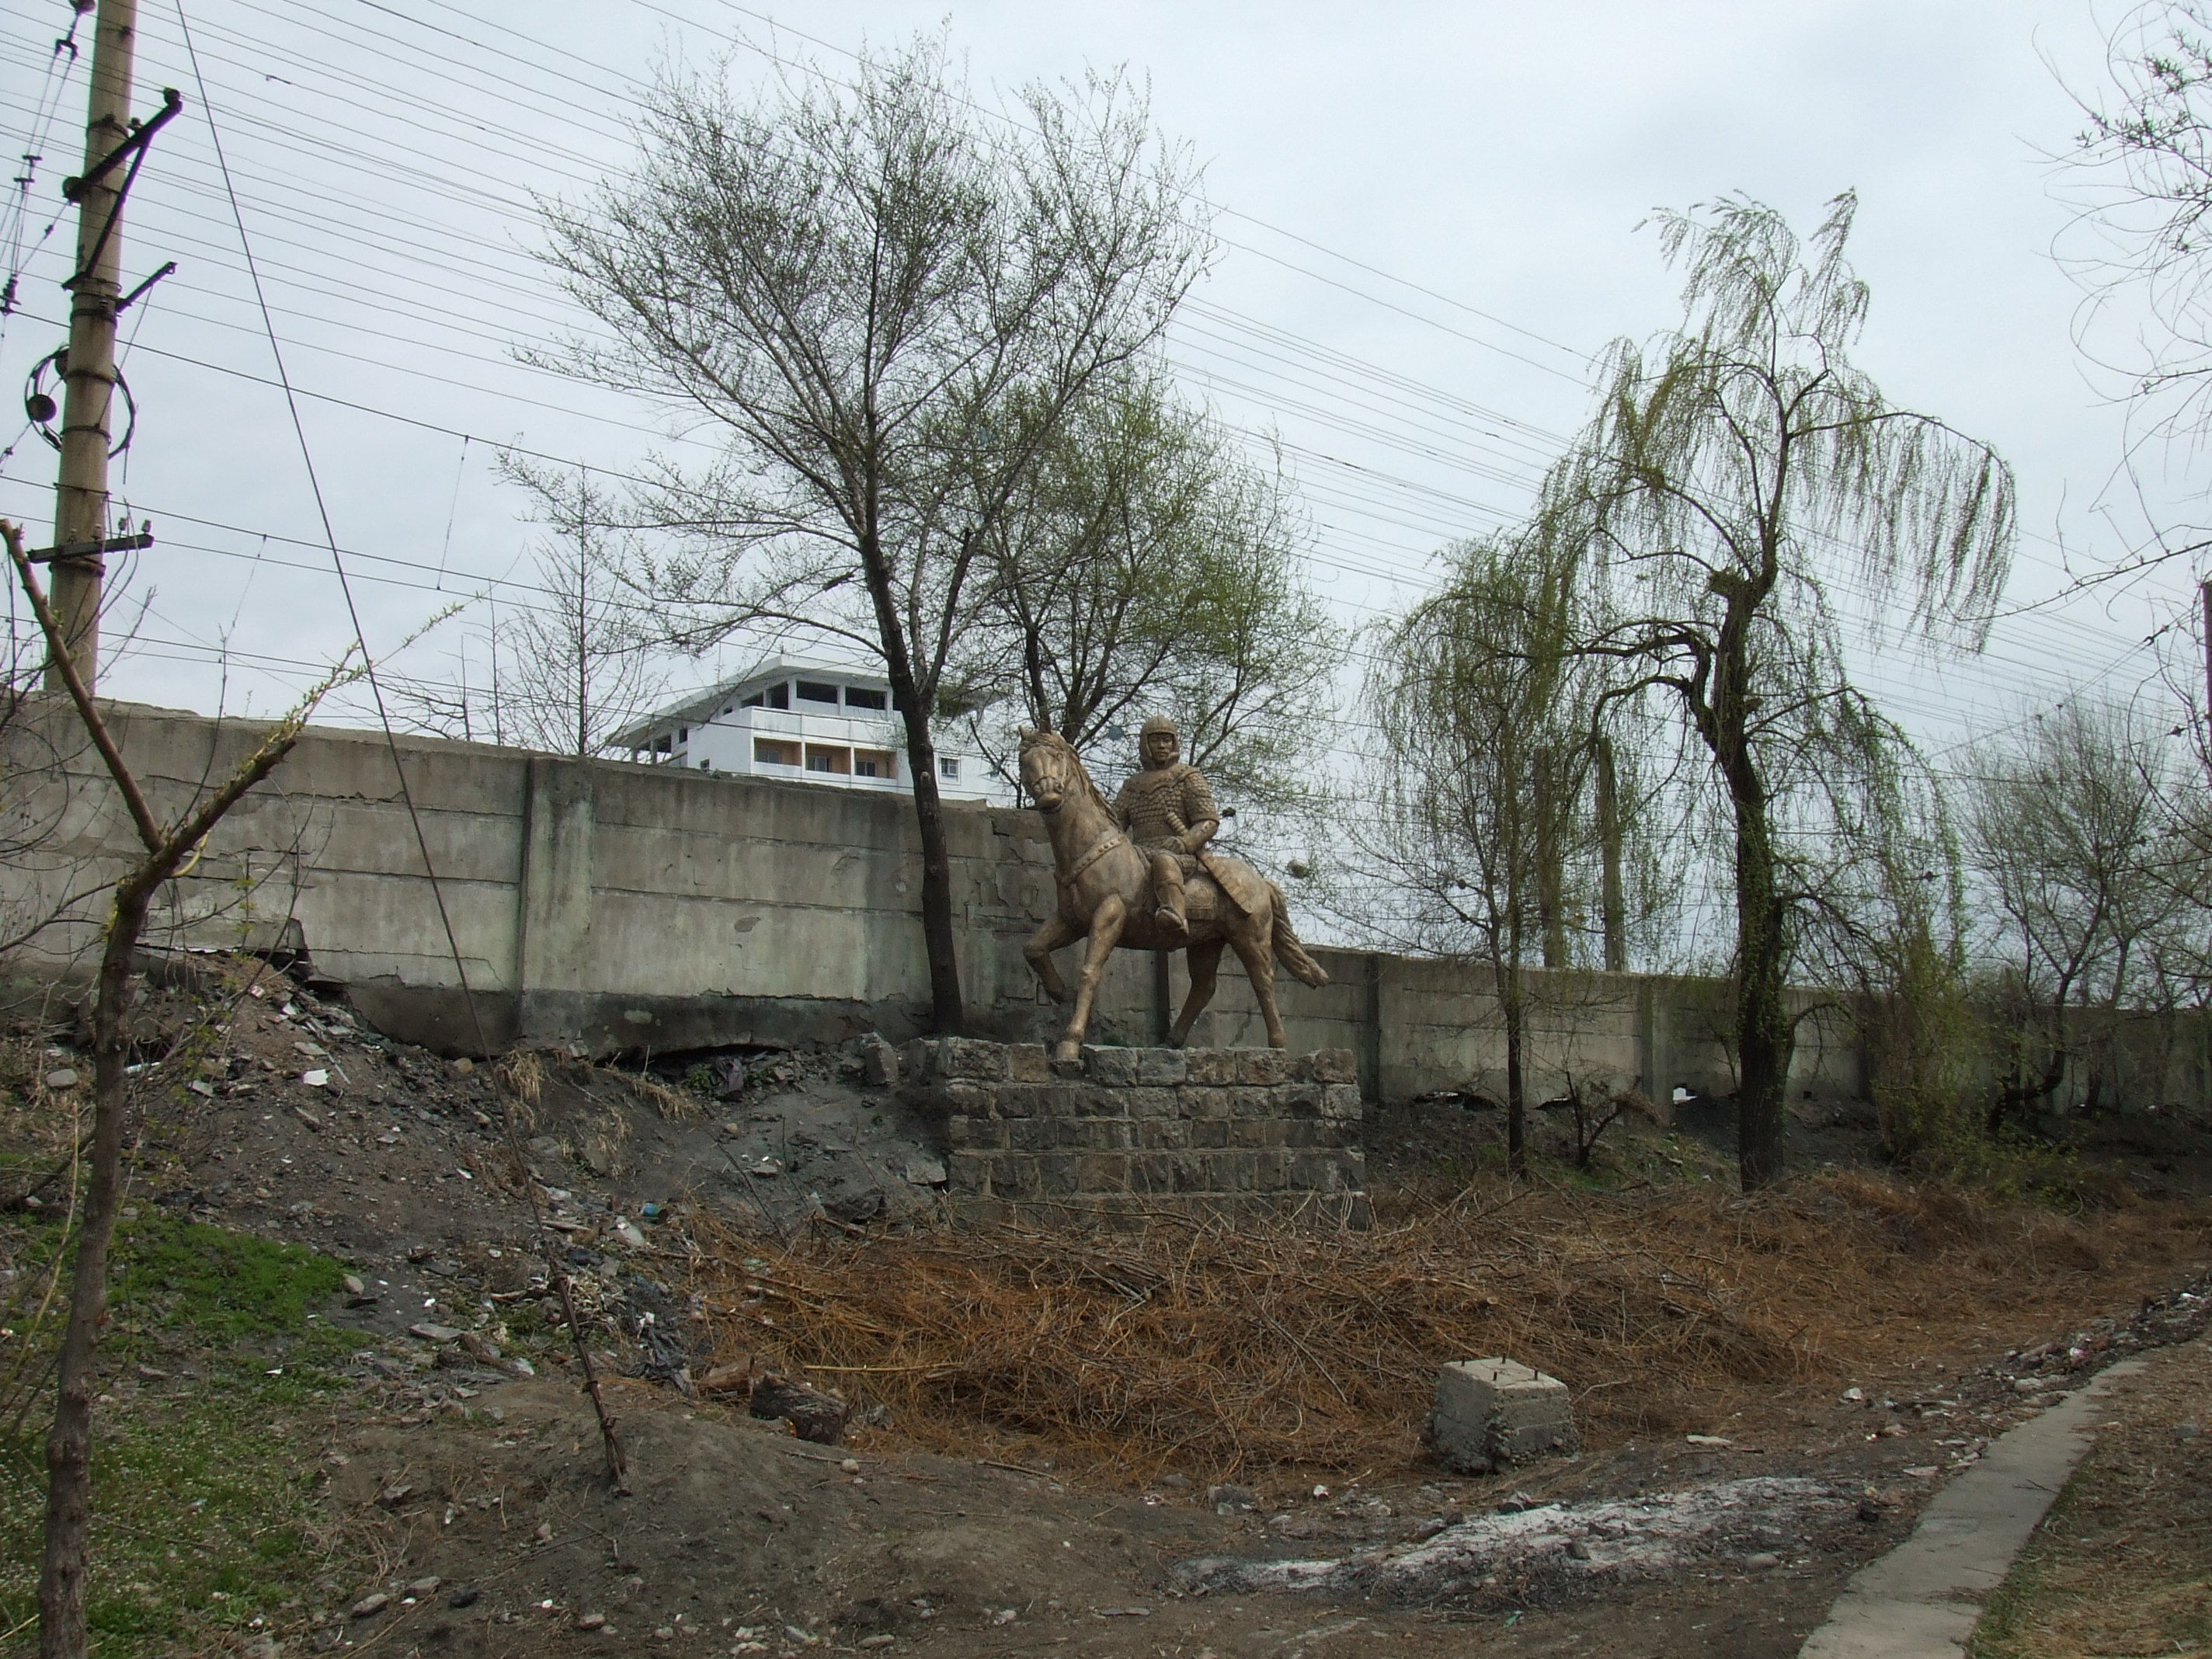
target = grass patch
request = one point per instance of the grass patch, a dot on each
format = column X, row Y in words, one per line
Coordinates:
column 205, row 1509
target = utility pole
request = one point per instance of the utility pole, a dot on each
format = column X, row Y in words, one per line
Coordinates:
column 89, row 396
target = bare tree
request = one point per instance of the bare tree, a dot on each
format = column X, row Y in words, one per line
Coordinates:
column 63, row 1574
column 1734, row 468
column 2142, row 171
column 2075, row 843
column 577, row 663
column 884, row 312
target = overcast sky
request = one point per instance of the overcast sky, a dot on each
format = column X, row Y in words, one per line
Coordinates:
column 1429, row 217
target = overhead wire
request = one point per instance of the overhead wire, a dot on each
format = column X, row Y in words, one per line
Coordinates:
column 612, row 1444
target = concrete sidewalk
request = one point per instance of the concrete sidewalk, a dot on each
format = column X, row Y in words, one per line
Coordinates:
column 1922, row 1600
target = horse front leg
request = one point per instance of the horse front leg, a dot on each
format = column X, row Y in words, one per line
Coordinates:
column 1106, row 923
column 1204, row 961
column 1049, row 937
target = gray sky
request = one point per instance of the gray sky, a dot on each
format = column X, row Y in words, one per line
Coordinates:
column 1493, row 160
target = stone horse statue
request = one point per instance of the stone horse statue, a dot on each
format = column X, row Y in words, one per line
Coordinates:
column 1103, row 882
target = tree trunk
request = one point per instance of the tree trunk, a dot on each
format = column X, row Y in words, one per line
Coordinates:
column 1516, row 1091
column 1550, row 868
column 947, row 1013
column 1763, row 1028
column 1612, row 902
column 63, row 1572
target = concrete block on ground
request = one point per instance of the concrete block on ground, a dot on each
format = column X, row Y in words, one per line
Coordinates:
column 1491, row 1414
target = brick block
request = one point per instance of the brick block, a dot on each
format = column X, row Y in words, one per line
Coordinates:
column 971, row 1057
column 1101, row 1172
column 980, row 1134
column 1300, row 1099
column 1020, row 1099
column 1157, row 1067
column 1028, row 1062
column 1251, row 1133
column 1203, row 1102
column 1270, row 1170
column 1113, row 1067
column 1149, row 1102
column 1325, row 1066
column 968, row 1172
column 1341, row 1101
column 1056, row 1174
column 1258, row 1102
column 1209, row 1066
column 1152, row 1172
column 1170, row 1133
column 1491, row 1414
column 1263, row 1066
column 1209, row 1131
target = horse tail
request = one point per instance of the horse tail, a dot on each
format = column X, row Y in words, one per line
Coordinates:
column 1288, row 951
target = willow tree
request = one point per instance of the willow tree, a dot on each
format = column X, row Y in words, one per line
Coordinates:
column 878, row 305
column 1153, row 567
column 1489, row 723
column 1738, row 469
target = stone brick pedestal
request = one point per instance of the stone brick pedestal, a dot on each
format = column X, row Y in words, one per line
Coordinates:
column 1241, row 1133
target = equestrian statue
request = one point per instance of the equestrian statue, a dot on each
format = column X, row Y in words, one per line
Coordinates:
column 1136, row 872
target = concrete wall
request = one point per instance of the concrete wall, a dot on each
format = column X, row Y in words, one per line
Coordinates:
column 630, row 907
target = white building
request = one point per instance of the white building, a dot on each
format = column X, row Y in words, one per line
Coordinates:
column 817, row 722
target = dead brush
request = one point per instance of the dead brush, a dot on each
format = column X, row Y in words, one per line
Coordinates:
column 1222, row 1348
column 675, row 1104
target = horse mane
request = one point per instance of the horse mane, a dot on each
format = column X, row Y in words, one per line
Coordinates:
column 1049, row 739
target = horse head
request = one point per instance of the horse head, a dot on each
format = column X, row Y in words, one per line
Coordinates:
column 1051, row 770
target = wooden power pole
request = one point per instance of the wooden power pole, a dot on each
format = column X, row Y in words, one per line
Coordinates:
column 81, row 527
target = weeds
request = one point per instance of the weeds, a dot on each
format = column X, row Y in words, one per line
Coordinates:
column 1220, row 1348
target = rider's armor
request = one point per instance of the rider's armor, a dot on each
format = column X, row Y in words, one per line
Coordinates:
column 1169, row 811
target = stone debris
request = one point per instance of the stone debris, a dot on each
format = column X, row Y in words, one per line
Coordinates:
column 1556, row 1543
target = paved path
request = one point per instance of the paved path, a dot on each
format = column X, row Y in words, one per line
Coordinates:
column 1922, row 1600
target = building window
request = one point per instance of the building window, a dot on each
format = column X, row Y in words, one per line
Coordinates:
column 779, row 694
column 815, row 691
column 948, row 767
column 860, row 697
column 817, row 762
column 822, row 759
column 874, row 763
column 754, row 701
column 767, row 752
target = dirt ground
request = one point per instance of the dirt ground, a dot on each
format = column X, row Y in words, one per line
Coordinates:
column 452, row 1489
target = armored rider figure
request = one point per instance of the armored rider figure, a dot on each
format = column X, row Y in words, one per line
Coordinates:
column 1169, row 811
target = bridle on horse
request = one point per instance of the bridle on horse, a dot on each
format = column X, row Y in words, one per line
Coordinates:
column 1100, row 849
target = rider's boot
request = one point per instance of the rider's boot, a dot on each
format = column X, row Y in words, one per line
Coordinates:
column 1167, row 901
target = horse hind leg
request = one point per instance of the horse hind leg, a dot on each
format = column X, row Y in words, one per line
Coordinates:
column 1260, row 968
column 1204, row 961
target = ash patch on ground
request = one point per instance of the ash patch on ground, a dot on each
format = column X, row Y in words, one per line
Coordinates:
column 1542, row 1551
